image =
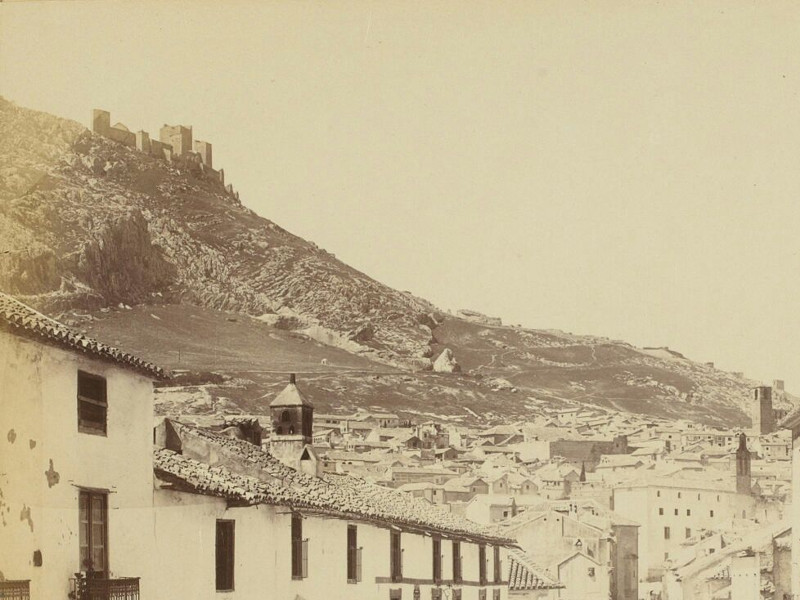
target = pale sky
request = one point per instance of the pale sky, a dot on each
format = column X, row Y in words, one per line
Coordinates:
column 629, row 169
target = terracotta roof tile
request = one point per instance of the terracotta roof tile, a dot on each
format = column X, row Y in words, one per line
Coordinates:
column 21, row 319
column 338, row 495
column 525, row 575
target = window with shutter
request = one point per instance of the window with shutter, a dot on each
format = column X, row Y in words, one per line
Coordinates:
column 93, row 532
column 396, row 556
column 353, row 555
column 457, row 577
column 299, row 548
column 92, row 404
column 225, row 555
column 437, row 560
column 482, row 564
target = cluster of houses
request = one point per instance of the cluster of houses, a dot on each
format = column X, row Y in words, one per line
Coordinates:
column 635, row 499
column 98, row 503
column 99, row 499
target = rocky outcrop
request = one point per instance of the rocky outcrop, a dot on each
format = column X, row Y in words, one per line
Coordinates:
column 121, row 263
column 363, row 333
column 446, row 363
column 477, row 317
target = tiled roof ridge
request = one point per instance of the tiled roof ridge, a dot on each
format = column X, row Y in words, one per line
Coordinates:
column 19, row 318
column 331, row 492
column 524, row 574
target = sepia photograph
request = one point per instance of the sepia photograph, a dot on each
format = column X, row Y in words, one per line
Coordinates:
column 399, row 300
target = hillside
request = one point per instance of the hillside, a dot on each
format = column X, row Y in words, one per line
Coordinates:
column 89, row 227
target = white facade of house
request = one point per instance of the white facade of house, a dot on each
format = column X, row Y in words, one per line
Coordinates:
column 669, row 513
column 45, row 462
column 186, row 533
column 588, row 579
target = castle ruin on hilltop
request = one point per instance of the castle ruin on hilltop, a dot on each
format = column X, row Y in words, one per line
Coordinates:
column 175, row 142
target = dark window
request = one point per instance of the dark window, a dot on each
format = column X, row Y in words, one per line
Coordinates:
column 92, row 404
column 353, row 555
column 396, row 556
column 299, row 548
column 482, row 564
column 457, row 577
column 688, row 512
column 676, row 512
column 437, row 560
column 93, row 534
column 225, row 544
column 661, row 511
column 688, row 533
column 711, row 513
column 666, row 533
column 498, row 571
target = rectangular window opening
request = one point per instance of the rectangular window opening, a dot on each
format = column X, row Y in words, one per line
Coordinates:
column 457, row 576
column 299, row 548
column 396, row 556
column 353, row 555
column 437, row 560
column 93, row 532
column 92, row 404
column 225, row 555
column 482, row 564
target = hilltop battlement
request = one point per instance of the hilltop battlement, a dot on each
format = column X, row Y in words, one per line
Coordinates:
column 175, row 142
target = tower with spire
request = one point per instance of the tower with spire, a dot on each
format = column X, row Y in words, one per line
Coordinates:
column 292, row 425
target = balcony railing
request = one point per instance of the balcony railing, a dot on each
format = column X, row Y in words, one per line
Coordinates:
column 11, row 589
column 97, row 588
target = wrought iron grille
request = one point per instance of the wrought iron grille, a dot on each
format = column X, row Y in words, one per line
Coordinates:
column 123, row 588
column 11, row 589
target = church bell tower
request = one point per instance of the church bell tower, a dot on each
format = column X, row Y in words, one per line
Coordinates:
column 292, row 426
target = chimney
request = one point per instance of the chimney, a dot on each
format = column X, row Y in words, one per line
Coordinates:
column 292, row 378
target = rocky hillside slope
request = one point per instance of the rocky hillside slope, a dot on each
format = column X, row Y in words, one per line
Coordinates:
column 87, row 222
column 89, row 228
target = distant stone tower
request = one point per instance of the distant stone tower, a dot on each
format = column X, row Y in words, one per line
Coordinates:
column 177, row 136
column 204, row 150
column 292, row 421
column 763, row 416
column 143, row 142
column 101, row 121
column 743, row 467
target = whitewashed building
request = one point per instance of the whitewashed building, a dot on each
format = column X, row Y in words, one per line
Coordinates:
column 76, row 474
column 198, row 514
column 249, row 523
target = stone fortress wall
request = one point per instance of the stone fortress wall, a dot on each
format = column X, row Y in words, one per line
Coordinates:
column 175, row 142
